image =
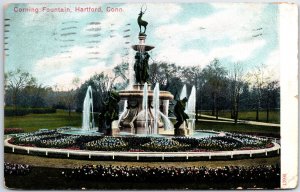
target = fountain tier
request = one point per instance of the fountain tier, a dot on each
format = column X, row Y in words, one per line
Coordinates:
column 133, row 121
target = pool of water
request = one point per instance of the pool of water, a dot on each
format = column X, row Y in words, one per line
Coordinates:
column 79, row 131
column 203, row 134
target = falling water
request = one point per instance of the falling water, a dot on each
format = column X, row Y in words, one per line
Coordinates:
column 130, row 71
column 191, row 104
column 156, row 108
column 166, row 107
column 87, row 113
column 145, row 105
column 168, row 125
column 183, row 93
column 191, row 108
column 123, row 113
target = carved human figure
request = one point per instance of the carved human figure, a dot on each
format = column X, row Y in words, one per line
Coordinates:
column 137, row 67
column 179, row 113
column 145, row 68
column 141, row 67
column 110, row 111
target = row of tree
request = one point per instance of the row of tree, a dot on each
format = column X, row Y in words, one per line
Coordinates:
column 216, row 88
column 220, row 89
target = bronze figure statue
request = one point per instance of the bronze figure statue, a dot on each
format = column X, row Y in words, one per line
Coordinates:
column 110, row 112
column 180, row 115
column 141, row 67
column 142, row 22
column 137, row 67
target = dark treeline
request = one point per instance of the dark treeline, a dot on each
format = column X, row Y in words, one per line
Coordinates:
column 217, row 88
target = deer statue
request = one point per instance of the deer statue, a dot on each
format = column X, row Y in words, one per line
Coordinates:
column 142, row 22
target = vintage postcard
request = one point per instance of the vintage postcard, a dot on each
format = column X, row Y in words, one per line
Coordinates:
column 165, row 96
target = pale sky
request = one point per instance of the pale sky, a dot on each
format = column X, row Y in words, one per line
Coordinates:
column 56, row 47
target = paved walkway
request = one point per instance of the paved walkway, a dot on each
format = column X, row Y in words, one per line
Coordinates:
column 228, row 120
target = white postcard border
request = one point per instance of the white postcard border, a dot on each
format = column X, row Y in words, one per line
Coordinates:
column 289, row 94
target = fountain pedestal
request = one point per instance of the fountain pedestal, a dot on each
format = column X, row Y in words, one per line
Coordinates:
column 115, row 131
column 183, row 131
column 145, row 108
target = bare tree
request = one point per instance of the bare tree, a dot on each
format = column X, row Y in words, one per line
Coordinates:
column 271, row 93
column 215, row 76
column 258, row 86
column 194, row 77
column 16, row 81
column 236, row 83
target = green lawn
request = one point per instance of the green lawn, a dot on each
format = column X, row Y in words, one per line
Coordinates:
column 274, row 116
column 34, row 122
column 231, row 127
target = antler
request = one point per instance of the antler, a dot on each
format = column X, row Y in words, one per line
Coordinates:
column 142, row 8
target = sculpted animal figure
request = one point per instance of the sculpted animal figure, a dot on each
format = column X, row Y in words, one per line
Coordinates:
column 142, row 22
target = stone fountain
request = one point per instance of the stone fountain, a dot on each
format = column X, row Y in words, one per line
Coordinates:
column 146, row 110
column 141, row 115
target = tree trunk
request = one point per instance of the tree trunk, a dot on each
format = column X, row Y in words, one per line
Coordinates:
column 232, row 109
column 214, row 109
column 15, row 102
column 15, row 95
column 268, row 109
column 268, row 114
column 257, row 113
column 197, row 118
column 237, row 109
column 69, row 110
column 217, row 109
column 200, row 106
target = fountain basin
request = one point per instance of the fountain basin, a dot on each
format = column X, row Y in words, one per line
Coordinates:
column 142, row 47
column 80, row 131
column 134, row 119
column 94, row 132
column 138, row 94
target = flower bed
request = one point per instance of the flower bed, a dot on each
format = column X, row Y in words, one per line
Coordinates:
column 16, row 169
column 164, row 144
column 237, row 174
column 54, row 139
column 13, row 131
column 107, row 144
column 60, row 142
column 218, row 144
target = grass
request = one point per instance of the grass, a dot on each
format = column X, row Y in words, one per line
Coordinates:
column 274, row 115
column 34, row 122
column 245, row 128
column 46, row 173
column 70, row 163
